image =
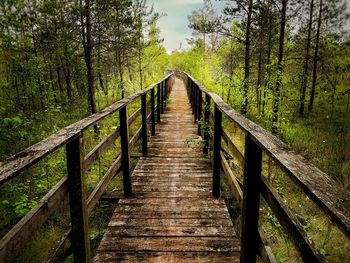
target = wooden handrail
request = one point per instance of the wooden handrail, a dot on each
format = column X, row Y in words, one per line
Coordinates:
column 332, row 198
column 81, row 207
column 320, row 187
column 38, row 151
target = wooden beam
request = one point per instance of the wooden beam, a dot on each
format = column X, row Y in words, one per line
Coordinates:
column 199, row 110
column 144, row 124
column 251, row 197
column 216, row 152
column 124, row 142
column 206, row 121
column 77, row 201
column 153, row 117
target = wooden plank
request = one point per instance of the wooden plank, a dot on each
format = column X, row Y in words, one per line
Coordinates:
column 216, row 152
column 251, row 197
column 166, row 188
column 15, row 240
column 38, row 151
column 77, row 202
column 199, row 111
column 159, row 231
column 206, row 121
column 173, row 257
column 144, row 124
column 171, row 214
column 124, row 142
column 170, row 244
column 153, row 117
column 159, row 97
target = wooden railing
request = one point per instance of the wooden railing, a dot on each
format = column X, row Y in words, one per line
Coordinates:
column 333, row 199
column 76, row 240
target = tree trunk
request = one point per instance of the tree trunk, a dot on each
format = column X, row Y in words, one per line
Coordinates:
column 258, row 86
column 314, row 69
column 231, row 74
column 247, row 59
column 88, row 59
column 268, row 61
column 278, row 86
column 306, row 63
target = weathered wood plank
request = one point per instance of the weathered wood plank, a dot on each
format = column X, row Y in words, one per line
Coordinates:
column 171, row 257
column 171, row 214
column 77, row 202
column 159, row 231
column 219, row 244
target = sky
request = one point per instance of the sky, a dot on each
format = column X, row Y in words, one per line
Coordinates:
column 174, row 26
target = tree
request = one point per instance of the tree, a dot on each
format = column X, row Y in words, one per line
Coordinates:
column 244, row 9
column 88, row 58
column 278, row 86
column 204, row 21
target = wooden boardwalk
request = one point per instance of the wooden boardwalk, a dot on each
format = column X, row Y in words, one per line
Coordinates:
column 172, row 216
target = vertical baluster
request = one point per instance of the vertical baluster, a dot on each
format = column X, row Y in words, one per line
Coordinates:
column 124, row 141
column 192, row 96
column 158, row 101
column 195, row 104
column 153, row 117
column 77, row 200
column 251, row 196
column 162, row 97
column 199, row 110
column 188, row 87
column 206, row 121
column 144, row 123
column 216, row 151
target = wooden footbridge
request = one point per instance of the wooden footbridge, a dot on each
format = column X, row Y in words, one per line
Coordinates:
column 172, row 208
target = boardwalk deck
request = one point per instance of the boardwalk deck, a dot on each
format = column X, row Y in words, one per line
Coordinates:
column 172, row 216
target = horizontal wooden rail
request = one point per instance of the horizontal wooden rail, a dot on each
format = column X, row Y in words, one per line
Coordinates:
column 319, row 186
column 332, row 198
column 31, row 222
column 38, row 151
column 71, row 136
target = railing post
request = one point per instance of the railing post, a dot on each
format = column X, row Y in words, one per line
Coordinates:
column 189, row 90
column 251, row 196
column 162, row 97
column 77, row 201
column 195, row 104
column 165, row 88
column 153, row 117
column 124, row 142
column 159, row 91
column 206, row 121
column 144, row 123
column 199, row 110
column 216, row 151
column 192, row 96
